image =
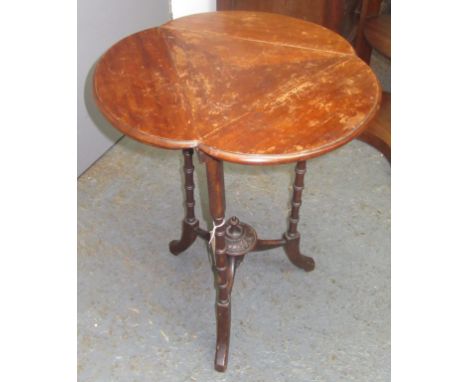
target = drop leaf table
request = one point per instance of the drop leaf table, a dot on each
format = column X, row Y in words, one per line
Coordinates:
column 244, row 87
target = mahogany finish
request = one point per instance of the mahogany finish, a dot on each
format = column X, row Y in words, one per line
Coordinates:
column 240, row 86
column 226, row 260
column 368, row 9
column 190, row 225
column 224, row 275
column 377, row 32
column 292, row 236
column 374, row 32
column 378, row 134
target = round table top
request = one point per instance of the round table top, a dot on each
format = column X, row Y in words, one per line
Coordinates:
column 244, row 87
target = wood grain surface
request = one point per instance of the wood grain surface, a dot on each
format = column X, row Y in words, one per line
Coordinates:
column 244, row 87
column 378, row 134
column 377, row 31
column 337, row 15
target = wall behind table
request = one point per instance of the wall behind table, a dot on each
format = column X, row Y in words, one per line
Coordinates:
column 183, row 7
column 101, row 23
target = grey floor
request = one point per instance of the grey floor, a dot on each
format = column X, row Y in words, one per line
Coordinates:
column 145, row 315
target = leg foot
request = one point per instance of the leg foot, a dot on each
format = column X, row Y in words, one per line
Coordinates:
column 224, row 264
column 294, row 255
column 223, row 329
column 189, row 234
column 292, row 237
column 223, row 314
column 190, row 223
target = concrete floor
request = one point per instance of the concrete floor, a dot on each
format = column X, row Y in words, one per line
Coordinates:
column 382, row 68
column 145, row 315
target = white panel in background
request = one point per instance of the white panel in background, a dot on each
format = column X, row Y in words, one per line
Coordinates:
column 101, row 23
column 183, row 7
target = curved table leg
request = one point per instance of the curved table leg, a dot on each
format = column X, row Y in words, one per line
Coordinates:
column 378, row 133
column 190, row 223
column 224, row 266
column 292, row 236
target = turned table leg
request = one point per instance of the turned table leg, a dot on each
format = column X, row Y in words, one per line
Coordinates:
column 190, row 223
column 224, row 264
column 292, row 236
column 232, row 240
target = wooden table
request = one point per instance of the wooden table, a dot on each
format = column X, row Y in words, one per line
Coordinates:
column 244, row 87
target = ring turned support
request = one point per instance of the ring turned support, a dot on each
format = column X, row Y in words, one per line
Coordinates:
column 292, row 236
column 224, row 273
column 233, row 240
column 190, row 223
column 159, row 87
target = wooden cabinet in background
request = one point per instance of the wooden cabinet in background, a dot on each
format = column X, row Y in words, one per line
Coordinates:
column 338, row 15
column 353, row 19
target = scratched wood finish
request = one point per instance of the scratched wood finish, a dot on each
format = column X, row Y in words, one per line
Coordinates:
column 244, row 87
column 338, row 15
